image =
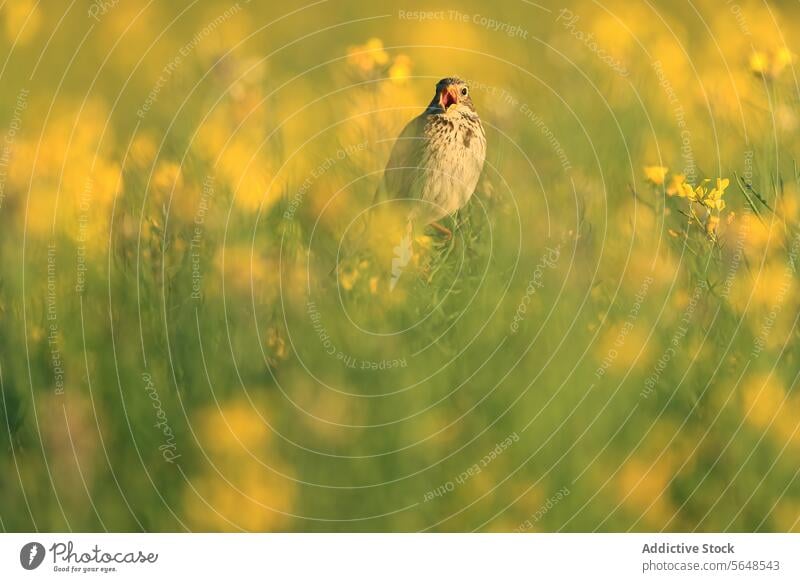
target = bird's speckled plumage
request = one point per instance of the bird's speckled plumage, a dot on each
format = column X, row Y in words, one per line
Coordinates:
column 438, row 158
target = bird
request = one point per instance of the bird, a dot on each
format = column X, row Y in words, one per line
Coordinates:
column 437, row 159
column 432, row 172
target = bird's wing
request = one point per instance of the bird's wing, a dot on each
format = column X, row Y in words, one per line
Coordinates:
column 406, row 163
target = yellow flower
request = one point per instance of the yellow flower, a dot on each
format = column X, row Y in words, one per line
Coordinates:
column 770, row 65
column 348, row 278
column 687, row 191
column 367, row 56
column 656, row 174
column 782, row 59
column 759, row 63
column 763, row 398
column 167, row 178
column 22, row 19
column 722, row 185
column 236, row 489
column 424, row 241
column 675, row 185
column 701, row 191
column 714, row 198
column 375, row 45
column 400, row 70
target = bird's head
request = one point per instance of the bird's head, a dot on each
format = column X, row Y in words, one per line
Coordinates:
column 452, row 95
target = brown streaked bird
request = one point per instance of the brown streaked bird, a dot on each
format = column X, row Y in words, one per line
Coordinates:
column 437, row 159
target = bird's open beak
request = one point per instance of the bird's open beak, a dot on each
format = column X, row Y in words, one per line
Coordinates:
column 448, row 97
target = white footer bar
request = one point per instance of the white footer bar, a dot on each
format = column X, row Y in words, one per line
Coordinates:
column 401, row 557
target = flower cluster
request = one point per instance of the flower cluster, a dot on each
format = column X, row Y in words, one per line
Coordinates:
column 371, row 58
column 770, row 65
column 704, row 194
column 711, row 199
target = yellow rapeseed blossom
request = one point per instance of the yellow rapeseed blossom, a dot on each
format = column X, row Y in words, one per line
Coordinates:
column 686, row 190
column 245, row 270
column 644, row 486
column 233, row 426
column 243, row 485
column 770, row 65
column 656, row 174
column 143, row 149
column 424, row 242
column 782, row 59
column 400, row 70
column 348, row 278
column 759, row 63
column 714, row 198
column 167, row 177
column 701, row 194
column 675, row 184
column 21, row 20
column 367, row 56
column 763, row 399
column 379, row 55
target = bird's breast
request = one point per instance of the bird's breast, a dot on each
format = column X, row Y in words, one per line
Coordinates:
column 456, row 150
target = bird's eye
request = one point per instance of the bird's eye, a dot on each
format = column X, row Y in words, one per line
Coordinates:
column 464, row 91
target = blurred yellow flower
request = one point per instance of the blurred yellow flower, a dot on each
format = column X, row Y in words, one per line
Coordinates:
column 763, row 235
column 759, row 63
column 400, row 69
column 675, row 184
column 644, row 486
column 770, row 65
column 424, row 241
column 367, row 56
column 782, row 59
column 656, row 174
column 244, row 270
column 21, row 20
column 378, row 54
column 235, row 490
column 143, row 149
column 763, row 397
column 167, row 177
column 768, row 287
column 788, row 205
column 348, row 278
column 234, row 426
